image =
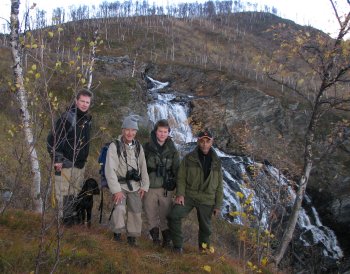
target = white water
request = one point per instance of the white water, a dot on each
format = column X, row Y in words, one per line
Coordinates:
column 234, row 168
column 175, row 113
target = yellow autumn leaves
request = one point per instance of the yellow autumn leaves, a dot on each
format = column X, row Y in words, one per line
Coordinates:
column 207, row 249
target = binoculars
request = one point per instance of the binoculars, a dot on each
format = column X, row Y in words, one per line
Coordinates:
column 161, row 170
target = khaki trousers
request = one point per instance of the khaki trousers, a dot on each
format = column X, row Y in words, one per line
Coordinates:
column 157, row 207
column 127, row 215
column 69, row 182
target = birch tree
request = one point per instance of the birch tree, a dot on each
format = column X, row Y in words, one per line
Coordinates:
column 93, row 49
column 321, row 83
column 22, row 99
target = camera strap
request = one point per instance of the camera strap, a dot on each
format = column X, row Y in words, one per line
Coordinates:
column 128, row 165
column 165, row 177
column 126, row 158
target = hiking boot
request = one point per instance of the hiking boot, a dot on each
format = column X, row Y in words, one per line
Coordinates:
column 166, row 238
column 117, row 237
column 155, row 235
column 177, row 250
column 131, row 241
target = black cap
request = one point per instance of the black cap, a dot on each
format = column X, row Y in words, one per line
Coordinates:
column 205, row 134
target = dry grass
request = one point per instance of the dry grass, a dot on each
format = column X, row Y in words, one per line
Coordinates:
column 93, row 251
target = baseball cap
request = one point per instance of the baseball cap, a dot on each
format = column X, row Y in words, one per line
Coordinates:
column 205, row 134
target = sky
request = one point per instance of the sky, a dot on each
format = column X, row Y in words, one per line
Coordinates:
column 317, row 13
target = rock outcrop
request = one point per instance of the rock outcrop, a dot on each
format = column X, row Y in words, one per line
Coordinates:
column 247, row 120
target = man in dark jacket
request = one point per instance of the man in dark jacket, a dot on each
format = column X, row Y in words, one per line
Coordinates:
column 200, row 186
column 69, row 146
column 162, row 165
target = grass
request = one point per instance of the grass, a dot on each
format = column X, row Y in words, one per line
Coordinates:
column 93, row 251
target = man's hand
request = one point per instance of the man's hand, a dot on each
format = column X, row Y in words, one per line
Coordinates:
column 141, row 192
column 216, row 211
column 180, row 200
column 118, row 197
column 58, row 166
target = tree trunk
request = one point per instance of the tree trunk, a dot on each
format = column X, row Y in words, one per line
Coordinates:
column 293, row 218
column 92, row 59
column 23, row 103
column 292, row 221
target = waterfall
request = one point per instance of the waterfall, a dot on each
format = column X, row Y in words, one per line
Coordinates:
column 238, row 178
column 163, row 107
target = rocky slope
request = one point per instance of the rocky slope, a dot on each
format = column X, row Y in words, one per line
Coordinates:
column 248, row 121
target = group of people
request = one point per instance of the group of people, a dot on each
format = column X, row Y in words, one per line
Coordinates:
column 149, row 178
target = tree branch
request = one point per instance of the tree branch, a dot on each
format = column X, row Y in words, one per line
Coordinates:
column 336, row 12
column 293, row 88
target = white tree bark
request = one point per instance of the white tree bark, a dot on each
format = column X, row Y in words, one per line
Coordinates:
column 293, row 219
column 92, row 59
column 23, row 104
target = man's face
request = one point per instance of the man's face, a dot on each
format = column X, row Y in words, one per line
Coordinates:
column 83, row 103
column 205, row 145
column 162, row 134
column 129, row 134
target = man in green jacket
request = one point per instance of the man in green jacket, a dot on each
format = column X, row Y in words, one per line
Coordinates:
column 200, row 186
column 163, row 161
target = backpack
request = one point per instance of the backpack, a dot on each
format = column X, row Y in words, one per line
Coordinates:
column 102, row 162
column 103, row 155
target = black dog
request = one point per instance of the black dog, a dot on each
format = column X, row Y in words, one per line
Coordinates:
column 85, row 201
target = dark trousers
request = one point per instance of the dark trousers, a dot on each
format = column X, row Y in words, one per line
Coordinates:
column 178, row 212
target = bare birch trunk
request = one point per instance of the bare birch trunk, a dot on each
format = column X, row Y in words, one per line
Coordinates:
column 333, row 72
column 23, row 102
column 92, row 59
column 292, row 221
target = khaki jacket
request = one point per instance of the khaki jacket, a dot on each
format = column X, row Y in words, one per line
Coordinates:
column 116, row 167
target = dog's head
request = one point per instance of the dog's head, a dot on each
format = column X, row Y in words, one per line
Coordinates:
column 91, row 187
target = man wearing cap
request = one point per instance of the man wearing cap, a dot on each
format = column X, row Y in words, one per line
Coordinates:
column 200, row 186
column 127, row 178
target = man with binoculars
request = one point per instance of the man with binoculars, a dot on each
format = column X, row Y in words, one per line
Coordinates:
column 127, row 178
column 162, row 164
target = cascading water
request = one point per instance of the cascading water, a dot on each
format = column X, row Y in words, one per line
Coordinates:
column 163, row 107
column 238, row 178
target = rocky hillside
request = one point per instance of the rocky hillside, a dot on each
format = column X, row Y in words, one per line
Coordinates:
column 215, row 61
